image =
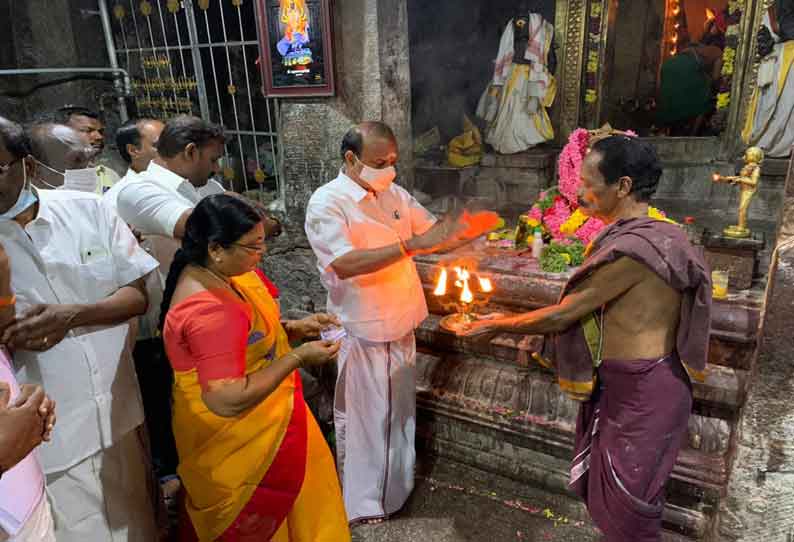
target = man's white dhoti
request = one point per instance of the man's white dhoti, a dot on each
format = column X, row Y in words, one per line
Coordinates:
column 106, row 497
column 375, row 421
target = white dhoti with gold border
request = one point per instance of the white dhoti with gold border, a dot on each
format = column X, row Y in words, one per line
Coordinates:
column 375, row 421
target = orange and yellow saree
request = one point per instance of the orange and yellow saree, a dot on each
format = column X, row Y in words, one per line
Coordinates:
column 264, row 475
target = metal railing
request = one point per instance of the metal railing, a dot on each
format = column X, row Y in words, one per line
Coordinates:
column 178, row 63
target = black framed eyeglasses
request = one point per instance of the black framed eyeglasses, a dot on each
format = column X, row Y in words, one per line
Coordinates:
column 253, row 248
column 4, row 168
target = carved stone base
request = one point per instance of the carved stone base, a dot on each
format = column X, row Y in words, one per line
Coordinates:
column 734, row 254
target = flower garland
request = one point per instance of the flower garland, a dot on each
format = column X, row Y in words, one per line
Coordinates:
column 733, row 19
column 557, row 210
column 594, row 43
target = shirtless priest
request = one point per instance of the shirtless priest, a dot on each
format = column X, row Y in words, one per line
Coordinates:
column 629, row 332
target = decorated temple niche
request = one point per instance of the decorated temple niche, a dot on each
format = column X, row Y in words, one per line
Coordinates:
column 669, row 64
column 492, row 62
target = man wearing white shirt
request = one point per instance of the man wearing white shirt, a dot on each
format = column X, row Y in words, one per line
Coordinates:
column 363, row 230
column 77, row 273
column 136, row 141
column 159, row 203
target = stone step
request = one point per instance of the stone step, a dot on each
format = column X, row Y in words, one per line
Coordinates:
column 516, row 422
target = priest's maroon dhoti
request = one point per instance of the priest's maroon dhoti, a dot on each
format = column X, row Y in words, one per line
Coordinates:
column 627, row 440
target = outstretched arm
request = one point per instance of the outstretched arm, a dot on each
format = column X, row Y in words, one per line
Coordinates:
column 607, row 283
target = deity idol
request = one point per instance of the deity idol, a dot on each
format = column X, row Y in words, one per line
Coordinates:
column 514, row 103
column 295, row 20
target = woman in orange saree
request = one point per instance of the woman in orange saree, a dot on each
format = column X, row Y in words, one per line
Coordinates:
column 253, row 462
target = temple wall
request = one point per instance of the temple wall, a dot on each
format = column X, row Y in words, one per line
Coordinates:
column 47, row 34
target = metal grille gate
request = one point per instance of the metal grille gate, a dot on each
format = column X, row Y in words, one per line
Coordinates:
column 201, row 57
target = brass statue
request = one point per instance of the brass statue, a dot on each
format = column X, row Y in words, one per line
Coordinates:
column 748, row 184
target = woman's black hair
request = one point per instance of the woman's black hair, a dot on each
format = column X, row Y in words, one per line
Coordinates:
column 220, row 219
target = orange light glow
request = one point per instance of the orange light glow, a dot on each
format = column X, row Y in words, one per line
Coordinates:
column 465, row 295
column 463, row 283
column 441, row 286
column 710, row 15
column 485, row 284
column 675, row 39
column 676, row 10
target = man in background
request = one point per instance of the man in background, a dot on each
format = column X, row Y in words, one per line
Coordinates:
column 62, row 156
column 136, row 141
column 91, row 128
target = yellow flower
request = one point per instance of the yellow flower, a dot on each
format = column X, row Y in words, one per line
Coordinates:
column 595, row 10
column 723, row 100
column 532, row 223
column 593, row 57
column 592, row 67
column 727, row 69
column 573, row 223
column 729, row 54
column 590, row 96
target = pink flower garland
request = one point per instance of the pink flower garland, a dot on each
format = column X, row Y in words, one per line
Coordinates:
column 569, row 165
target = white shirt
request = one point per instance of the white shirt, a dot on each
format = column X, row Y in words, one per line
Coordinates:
column 111, row 196
column 76, row 251
column 153, row 204
column 341, row 217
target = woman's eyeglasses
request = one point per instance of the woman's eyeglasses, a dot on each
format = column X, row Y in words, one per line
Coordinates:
column 259, row 247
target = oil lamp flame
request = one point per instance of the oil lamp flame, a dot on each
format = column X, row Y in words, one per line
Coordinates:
column 710, row 16
column 441, row 286
column 485, row 284
column 465, row 295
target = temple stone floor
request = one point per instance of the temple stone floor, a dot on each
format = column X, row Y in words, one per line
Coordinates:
column 456, row 503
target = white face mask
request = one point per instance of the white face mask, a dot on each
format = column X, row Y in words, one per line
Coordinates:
column 25, row 200
column 82, row 180
column 377, row 179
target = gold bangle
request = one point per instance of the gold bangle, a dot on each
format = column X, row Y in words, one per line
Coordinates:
column 7, row 301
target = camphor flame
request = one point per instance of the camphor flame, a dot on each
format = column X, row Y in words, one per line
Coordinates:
column 463, row 282
column 485, row 284
column 461, row 277
column 441, row 286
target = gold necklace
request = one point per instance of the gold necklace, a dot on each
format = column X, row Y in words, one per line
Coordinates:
column 216, row 275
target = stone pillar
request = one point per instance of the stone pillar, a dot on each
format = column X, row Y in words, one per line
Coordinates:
column 759, row 504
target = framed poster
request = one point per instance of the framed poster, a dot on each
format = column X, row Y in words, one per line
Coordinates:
column 296, row 48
